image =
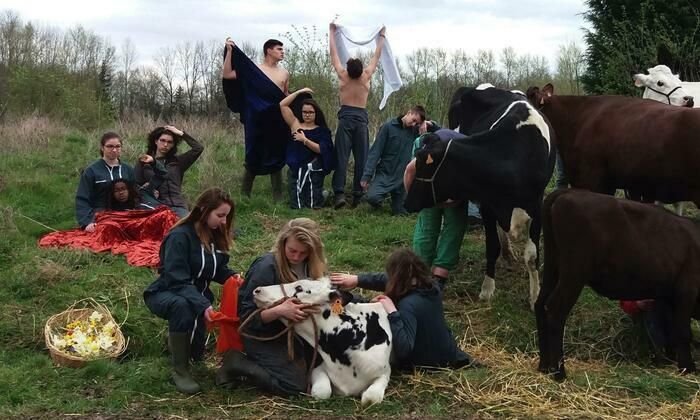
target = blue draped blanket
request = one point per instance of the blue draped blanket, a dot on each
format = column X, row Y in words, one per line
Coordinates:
column 256, row 98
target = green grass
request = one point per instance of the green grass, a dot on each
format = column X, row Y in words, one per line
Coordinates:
column 605, row 353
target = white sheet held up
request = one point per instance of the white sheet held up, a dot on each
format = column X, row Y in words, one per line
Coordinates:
column 392, row 79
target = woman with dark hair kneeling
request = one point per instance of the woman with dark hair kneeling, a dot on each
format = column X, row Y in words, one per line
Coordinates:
column 161, row 170
column 193, row 254
column 310, row 157
column 413, row 300
column 297, row 254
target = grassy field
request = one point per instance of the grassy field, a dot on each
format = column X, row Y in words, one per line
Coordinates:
column 608, row 364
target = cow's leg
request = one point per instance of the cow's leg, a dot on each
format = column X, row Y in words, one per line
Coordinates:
column 682, row 310
column 320, row 383
column 531, row 254
column 374, row 394
column 506, row 246
column 493, row 249
column 541, row 319
column 556, row 309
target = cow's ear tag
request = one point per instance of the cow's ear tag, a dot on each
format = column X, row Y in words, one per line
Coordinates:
column 337, row 307
column 429, row 160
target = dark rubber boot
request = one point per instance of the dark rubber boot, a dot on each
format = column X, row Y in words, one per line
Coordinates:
column 276, row 181
column 180, row 352
column 247, row 182
column 236, row 364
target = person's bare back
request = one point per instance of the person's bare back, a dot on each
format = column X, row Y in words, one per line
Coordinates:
column 354, row 90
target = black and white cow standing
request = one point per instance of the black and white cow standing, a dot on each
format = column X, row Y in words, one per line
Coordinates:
column 355, row 345
column 504, row 163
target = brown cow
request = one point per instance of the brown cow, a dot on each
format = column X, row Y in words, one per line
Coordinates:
column 610, row 142
column 623, row 250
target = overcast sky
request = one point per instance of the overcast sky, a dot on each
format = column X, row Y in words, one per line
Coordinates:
column 530, row 26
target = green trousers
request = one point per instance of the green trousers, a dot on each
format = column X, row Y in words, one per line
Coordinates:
column 438, row 235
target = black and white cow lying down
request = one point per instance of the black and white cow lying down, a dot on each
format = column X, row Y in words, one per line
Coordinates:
column 355, row 345
column 505, row 164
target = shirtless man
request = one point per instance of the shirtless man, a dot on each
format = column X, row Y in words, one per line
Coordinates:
column 352, row 134
column 273, row 53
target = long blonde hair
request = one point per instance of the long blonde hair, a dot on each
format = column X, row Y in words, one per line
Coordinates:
column 208, row 201
column 305, row 231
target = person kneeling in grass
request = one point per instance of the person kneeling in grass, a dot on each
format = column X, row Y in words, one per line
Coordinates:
column 193, row 254
column 413, row 300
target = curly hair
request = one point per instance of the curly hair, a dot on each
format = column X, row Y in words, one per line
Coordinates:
column 406, row 271
column 153, row 137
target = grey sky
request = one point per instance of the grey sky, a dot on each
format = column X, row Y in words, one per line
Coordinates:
column 530, row 26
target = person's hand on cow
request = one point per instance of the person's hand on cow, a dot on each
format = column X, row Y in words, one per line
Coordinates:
column 386, row 302
column 293, row 310
column 344, row 281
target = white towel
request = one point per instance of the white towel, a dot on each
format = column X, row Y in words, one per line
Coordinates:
column 392, row 79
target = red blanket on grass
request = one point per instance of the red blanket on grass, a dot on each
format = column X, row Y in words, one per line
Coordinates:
column 135, row 233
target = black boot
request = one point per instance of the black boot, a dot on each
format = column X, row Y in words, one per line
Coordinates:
column 247, row 182
column 339, row 201
column 276, row 181
column 180, row 352
column 236, row 364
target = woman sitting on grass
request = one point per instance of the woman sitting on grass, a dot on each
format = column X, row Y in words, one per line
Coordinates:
column 297, row 254
column 97, row 178
column 122, row 196
column 161, row 170
column 310, row 156
column 193, row 254
column 413, row 300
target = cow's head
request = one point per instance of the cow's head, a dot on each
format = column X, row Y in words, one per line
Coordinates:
column 315, row 292
column 663, row 86
column 540, row 98
column 425, row 190
column 472, row 108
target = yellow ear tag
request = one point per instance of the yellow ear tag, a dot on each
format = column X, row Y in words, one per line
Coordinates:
column 337, row 307
column 429, row 160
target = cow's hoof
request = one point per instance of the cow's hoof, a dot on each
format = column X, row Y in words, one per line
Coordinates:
column 560, row 375
column 487, row 289
column 372, row 396
column 321, row 391
column 686, row 370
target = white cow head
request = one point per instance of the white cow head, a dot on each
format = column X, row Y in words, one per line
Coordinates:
column 663, row 86
column 316, row 292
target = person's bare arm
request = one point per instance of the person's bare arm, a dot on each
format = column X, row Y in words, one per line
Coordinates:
column 286, row 83
column 228, row 71
column 286, row 111
column 372, row 67
column 335, row 61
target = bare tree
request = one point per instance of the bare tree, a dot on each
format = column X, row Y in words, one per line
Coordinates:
column 165, row 64
column 570, row 66
column 509, row 62
column 188, row 61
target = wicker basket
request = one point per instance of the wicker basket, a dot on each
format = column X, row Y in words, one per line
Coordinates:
column 80, row 311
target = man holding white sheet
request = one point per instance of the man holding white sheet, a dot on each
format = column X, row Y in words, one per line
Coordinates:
column 352, row 134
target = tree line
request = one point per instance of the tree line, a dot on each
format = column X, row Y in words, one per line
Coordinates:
column 78, row 76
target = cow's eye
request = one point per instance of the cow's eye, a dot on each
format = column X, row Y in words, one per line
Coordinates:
column 659, row 83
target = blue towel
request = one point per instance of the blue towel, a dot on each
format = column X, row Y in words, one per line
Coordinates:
column 257, row 98
column 299, row 155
